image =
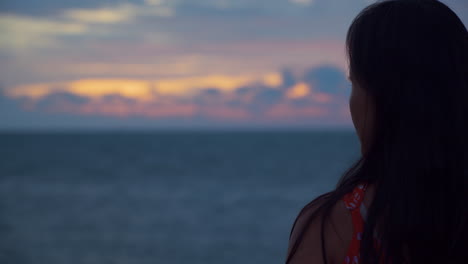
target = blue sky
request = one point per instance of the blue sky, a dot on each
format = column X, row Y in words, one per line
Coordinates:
column 176, row 63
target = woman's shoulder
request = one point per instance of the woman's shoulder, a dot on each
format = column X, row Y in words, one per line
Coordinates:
column 337, row 233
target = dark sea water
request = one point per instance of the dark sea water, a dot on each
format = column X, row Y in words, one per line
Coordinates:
column 161, row 197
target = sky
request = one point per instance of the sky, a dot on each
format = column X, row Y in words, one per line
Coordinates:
column 87, row 64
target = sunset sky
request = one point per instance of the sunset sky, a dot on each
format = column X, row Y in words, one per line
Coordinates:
column 176, row 63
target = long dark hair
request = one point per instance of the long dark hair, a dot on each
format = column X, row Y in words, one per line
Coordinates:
column 411, row 56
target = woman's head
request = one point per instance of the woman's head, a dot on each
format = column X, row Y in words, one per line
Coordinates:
column 408, row 62
column 408, row 65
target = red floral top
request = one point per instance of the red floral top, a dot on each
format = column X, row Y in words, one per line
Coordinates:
column 353, row 202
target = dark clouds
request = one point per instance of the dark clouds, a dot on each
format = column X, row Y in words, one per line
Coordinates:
column 48, row 7
column 200, row 8
column 53, row 100
column 327, row 79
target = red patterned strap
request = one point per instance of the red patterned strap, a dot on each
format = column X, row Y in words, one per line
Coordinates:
column 353, row 202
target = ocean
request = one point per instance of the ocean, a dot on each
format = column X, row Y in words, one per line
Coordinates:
column 171, row 197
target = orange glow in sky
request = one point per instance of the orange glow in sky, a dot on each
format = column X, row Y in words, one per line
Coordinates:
column 143, row 90
column 297, row 91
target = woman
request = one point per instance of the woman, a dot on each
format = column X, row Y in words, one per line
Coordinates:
column 406, row 199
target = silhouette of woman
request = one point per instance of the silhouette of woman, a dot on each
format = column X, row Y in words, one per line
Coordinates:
column 406, row 199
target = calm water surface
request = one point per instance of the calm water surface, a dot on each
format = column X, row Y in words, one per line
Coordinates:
column 162, row 197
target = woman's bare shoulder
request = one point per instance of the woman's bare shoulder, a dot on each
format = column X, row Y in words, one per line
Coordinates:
column 337, row 234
